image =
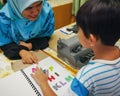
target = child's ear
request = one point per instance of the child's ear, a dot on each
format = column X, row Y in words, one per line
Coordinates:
column 92, row 40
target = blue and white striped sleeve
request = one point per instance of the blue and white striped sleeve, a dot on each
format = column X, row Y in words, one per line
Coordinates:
column 76, row 88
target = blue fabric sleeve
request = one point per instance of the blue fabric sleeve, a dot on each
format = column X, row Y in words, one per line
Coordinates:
column 4, row 29
column 79, row 88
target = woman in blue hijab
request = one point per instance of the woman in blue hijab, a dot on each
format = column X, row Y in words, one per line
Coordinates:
column 25, row 25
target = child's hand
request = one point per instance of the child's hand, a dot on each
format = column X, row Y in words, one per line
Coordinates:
column 40, row 77
column 28, row 57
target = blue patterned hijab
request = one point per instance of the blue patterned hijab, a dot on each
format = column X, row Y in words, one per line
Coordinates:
column 14, row 27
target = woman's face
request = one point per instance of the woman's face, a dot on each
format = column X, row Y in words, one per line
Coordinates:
column 32, row 11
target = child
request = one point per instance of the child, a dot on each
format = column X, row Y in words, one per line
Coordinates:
column 99, row 29
column 25, row 25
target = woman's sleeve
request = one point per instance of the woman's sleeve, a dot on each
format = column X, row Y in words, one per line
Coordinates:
column 39, row 43
column 5, row 29
column 12, row 50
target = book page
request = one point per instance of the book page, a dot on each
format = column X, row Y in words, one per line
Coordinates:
column 59, row 78
column 16, row 85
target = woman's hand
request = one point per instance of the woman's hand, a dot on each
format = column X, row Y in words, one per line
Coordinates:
column 28, row 57
column 28, row 45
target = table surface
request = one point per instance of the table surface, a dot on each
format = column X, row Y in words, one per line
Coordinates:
column 51, row 51
column 57, row 35
column 17, row 65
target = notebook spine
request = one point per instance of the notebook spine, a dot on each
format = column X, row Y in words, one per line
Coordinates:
column 30, row 82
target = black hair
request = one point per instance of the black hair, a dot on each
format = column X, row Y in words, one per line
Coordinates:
column 100, row 18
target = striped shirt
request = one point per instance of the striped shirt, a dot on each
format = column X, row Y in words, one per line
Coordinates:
column 97, row 78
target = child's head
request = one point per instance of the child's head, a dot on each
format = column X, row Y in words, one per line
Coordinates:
column 101, row 18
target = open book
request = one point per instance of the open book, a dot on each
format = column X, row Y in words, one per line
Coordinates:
column 21, row 83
